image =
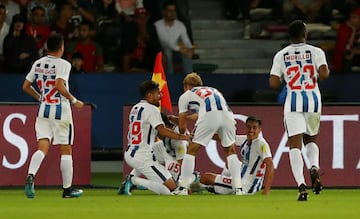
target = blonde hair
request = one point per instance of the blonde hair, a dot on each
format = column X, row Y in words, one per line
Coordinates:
column 193, row 79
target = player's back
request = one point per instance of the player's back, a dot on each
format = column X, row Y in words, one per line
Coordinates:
column 298, row 64
column 44, row 72
column 203, row 100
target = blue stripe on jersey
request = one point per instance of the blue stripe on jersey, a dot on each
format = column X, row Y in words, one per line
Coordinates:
column 139, row 113
column 255, row 165
column 316, row 102
column 217, row 101
column 247, row 158
column 58, row 110
column 287, row 64
column 293, row 102
column 305, row 101
column 251, row 190
column 162, row 177
column 46, row 111
column 132, row 154
column 149, row 135
column 207, row 104
column 298, row 62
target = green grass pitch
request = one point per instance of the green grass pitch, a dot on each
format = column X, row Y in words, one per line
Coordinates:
column 103, row 202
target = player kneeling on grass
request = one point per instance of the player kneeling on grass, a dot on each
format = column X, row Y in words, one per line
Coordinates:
column 169, row 153
column 257, row 164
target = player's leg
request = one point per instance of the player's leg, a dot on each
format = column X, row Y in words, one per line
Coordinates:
column 312, row 149
column 296, row 126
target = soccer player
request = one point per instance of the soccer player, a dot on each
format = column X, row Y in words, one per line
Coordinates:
column 145, row 124
column 257, row 164
column 54, row 123
column 301, row 66
column 214, row 116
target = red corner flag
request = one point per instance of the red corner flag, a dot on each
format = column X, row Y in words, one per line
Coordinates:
column 160, row 78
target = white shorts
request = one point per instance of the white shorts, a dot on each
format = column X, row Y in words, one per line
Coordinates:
column 146, row 164
column 220, row 122
column 299, row 122
column 223, row 186
column 59, row 131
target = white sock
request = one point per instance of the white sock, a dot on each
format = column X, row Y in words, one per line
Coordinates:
column 156, row 187
column 134, row 172
column 187, row 169
column 297, row 165
column 35, row 162
column 312, row 152
column 234, row 166
column 66, row 167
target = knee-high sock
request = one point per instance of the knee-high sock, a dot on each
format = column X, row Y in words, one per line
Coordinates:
column 66, row 167
column 234, row 166
column 35, row 162
column 312, row 152
column 151, row 185
column 297, row 165
column 187, row 168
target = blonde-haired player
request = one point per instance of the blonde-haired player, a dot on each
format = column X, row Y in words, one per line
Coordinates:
column 213, row 116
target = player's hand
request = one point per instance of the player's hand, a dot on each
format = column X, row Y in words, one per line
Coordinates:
column 79, row 104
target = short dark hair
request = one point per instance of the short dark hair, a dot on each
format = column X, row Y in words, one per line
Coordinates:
column 148, row 86
column 253, row 119
column 167, row 3
column 54, row 42
column 297, row 30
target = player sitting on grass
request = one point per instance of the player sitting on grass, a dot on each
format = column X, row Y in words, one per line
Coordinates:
column 257, row 164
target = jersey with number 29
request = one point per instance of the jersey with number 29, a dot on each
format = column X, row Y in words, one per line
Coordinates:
column 44, row 72
column 298, row 64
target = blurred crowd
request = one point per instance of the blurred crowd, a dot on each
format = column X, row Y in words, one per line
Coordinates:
column 100, row 35
column 125, row 35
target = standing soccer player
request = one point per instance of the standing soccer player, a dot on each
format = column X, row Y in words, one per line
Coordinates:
column 301, row 65
column 54, row 122
column 145, row 124
column 214, row 116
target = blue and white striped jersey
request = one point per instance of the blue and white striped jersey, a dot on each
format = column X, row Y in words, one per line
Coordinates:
column 298, row 64
column 44, row 72
column 252, row 156
column 202, row 100
column 143, row 120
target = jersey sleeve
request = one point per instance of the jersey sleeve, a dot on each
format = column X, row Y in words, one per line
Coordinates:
column 154, row 117
column 320, row 58
column 63, row 70
column 276, row 66
column 265, row 151
column 183, row 102
column 31, row 76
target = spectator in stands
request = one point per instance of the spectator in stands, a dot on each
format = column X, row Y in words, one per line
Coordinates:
column 347, row 47
column 62, row 23
column 139, row 50
column 107, row 28
column 37, row 28
column 12, row 8
column 4, row 30
column 174, row 39
column 310, row 11
column 91, row 50
column 23, row 5
column 81, row 11
column 77, row 61
column 20, row 50
column 49, row 7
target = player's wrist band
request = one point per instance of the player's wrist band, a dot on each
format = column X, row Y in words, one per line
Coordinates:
column 74, row 101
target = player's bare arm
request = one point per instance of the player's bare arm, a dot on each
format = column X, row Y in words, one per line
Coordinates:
column 324, row 72
column 165, row 132
column 269, row 175
column 29, row 89
column 59, row 84
column 275, row 82
column 182, row 122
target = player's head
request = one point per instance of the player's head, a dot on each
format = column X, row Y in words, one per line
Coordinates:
column 297, row 31
column 192, row 80
column 253, row 127
column 55, row 44
column 150, row 91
